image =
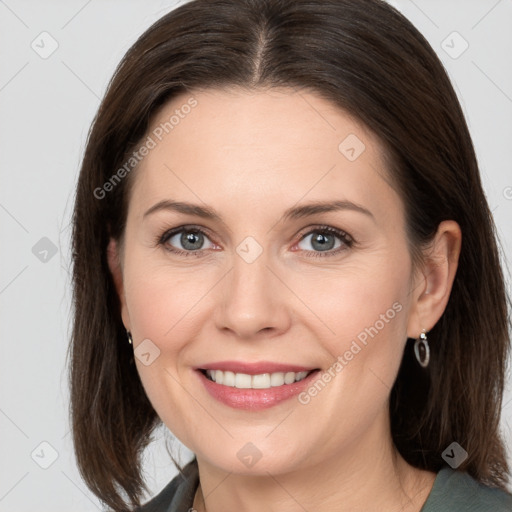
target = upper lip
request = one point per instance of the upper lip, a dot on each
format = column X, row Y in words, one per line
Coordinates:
column 254, row 368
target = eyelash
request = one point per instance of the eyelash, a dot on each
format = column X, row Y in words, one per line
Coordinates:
column 345, row 238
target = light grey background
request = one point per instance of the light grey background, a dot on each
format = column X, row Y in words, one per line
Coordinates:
column 47, row 105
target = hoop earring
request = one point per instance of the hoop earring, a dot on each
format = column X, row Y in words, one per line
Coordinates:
column 130, row 339
column 422, row 350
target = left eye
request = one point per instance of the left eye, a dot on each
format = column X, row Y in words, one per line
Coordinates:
column 323, row 241
column 320, row 241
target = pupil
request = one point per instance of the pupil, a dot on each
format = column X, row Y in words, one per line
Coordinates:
column 325, row 242
column 189, row 239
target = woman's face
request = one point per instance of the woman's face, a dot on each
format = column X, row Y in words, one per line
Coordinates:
column 250, row 282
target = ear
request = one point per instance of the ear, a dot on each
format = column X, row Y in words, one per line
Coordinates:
column 433, row 283
column 114, row 263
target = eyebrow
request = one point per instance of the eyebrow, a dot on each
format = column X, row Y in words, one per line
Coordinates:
column 295, row 212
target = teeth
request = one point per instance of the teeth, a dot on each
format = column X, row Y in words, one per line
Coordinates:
column 261, row 381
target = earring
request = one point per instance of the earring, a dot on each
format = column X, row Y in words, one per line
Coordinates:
column 422, row 350
column 129, row 334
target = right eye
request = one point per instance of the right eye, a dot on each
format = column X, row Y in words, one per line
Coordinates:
column 185, row 240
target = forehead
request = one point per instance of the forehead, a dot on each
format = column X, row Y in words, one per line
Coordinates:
column 266, row 145
column 274, row 120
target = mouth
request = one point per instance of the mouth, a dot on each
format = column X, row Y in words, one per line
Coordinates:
column 254, row 386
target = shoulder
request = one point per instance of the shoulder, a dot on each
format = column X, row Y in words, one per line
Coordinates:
column 455, row 491
column 178, row 494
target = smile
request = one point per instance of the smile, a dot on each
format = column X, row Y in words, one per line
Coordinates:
column 254, row 386
column 260, row 381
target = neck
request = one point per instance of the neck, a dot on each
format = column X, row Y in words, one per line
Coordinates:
column 354, row 479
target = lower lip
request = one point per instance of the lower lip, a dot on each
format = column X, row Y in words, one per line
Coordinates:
column 255, row 399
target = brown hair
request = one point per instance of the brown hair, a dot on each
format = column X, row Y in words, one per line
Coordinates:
column 370, row 61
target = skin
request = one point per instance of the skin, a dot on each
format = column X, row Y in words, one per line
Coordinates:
column 250, row 156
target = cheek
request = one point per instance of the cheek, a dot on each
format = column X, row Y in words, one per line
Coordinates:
column 162, row 300
column 366, row 317
column 358, row 302
column 367, row 312
column 162, row 303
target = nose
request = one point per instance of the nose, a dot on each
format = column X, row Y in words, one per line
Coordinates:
column 253, row 300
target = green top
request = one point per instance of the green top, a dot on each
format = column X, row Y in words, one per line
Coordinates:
column 453, row 491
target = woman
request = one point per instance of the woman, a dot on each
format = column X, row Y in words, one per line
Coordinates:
column 283, row 252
